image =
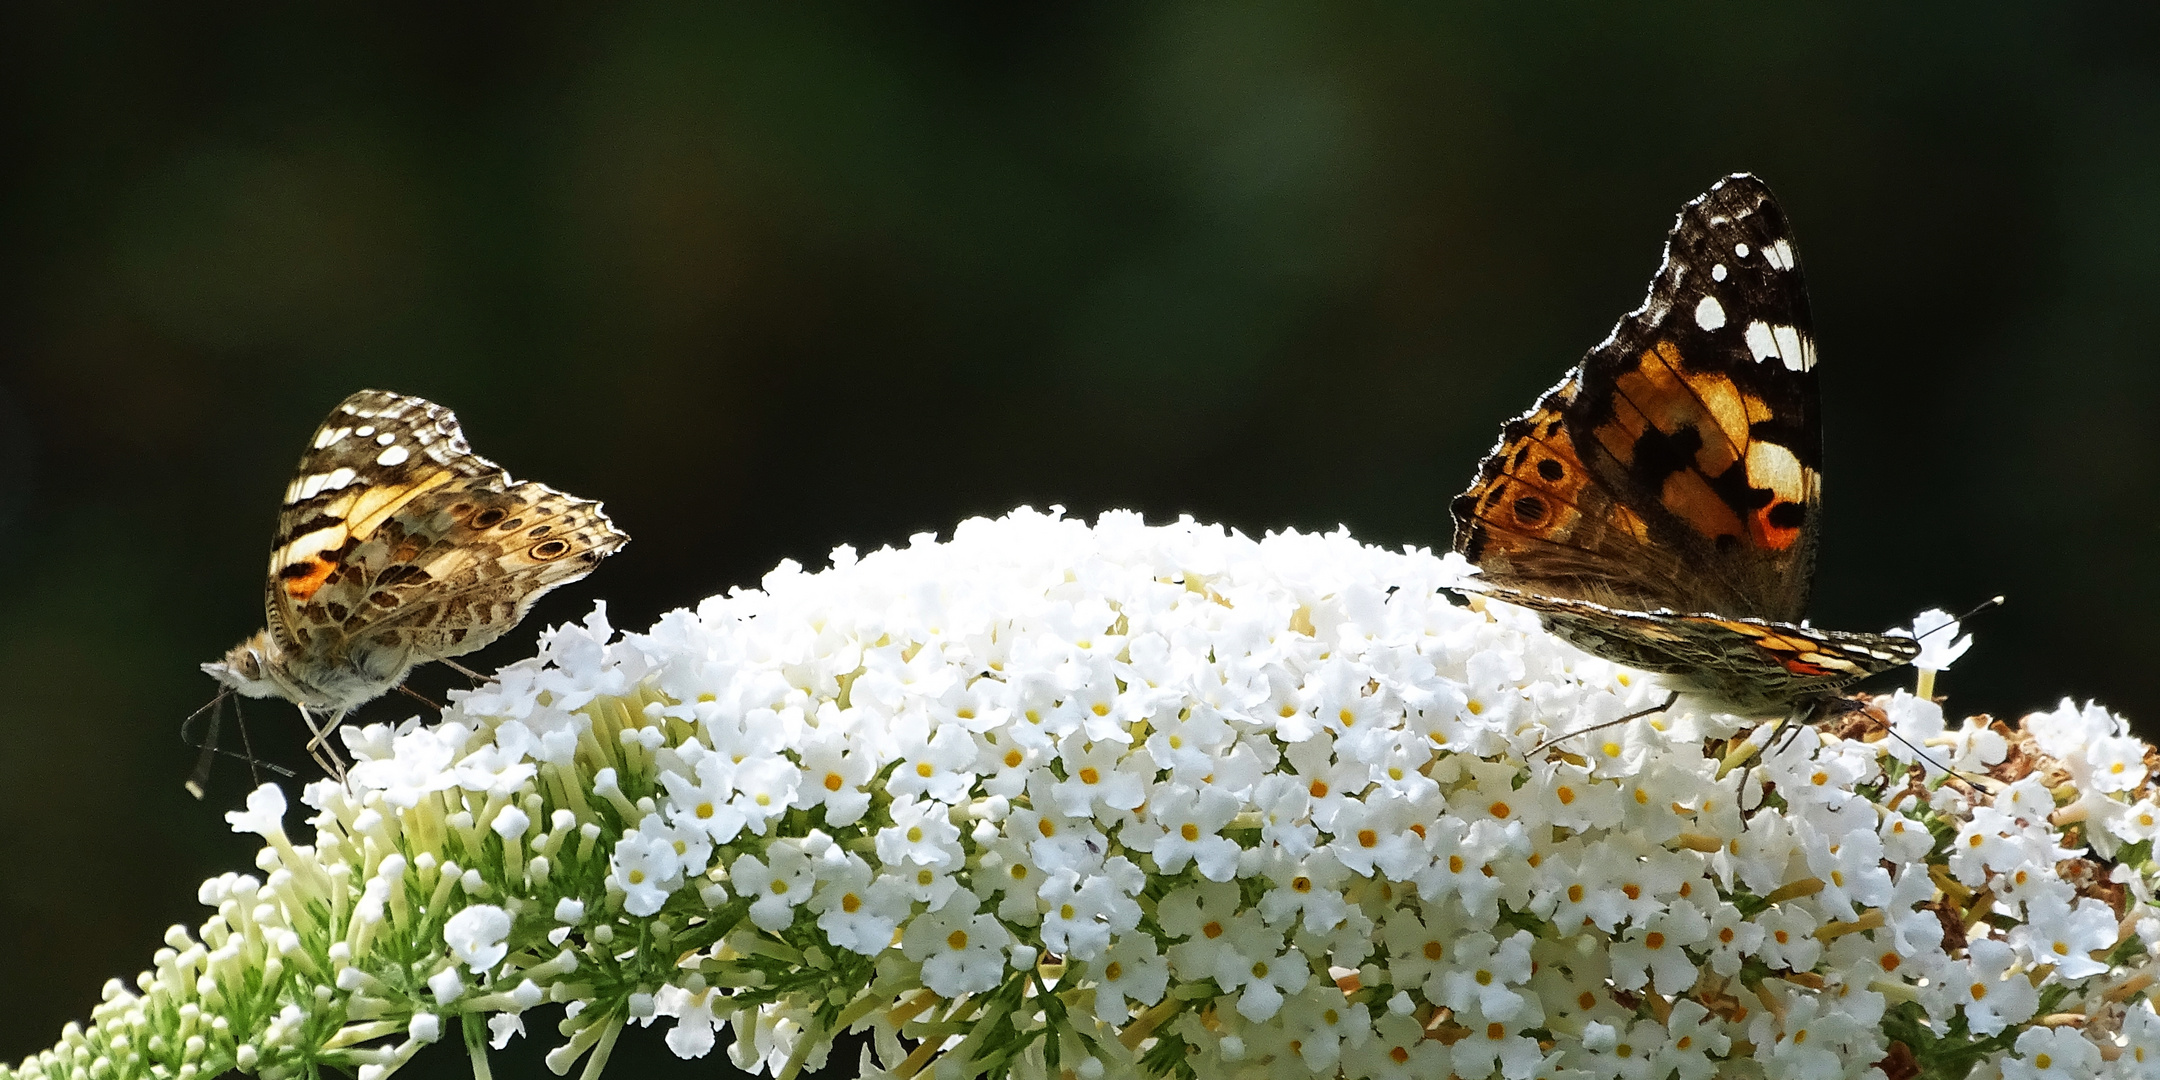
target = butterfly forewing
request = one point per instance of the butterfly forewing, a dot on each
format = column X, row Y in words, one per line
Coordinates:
column 1658, row 507
column 1683, row 446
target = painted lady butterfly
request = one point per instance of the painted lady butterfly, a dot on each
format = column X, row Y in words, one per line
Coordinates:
column 398, row 545
column 1675, row 472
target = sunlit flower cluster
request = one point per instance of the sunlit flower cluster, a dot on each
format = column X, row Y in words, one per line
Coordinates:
column 1051, row 799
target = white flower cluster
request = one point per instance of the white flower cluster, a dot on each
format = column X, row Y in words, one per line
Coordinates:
column 1058, row 800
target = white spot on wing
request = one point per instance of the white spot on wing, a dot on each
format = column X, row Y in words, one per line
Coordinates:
column 396, row 455
column 385, row 439
column 1740, row 250
column 338, row 478
column 310, row 545
column 364, row 430
column 1779, row 255
column 1717, row 273
column 1709, row 314
column 1794, row 347
column 1786, row 343
column 329, row 435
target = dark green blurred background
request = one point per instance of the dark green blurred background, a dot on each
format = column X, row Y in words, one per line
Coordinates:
column 775, row 279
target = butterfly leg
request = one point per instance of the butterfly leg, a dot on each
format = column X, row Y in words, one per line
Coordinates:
column 319, row 743
column 461, row 669
column 1781, row 737
column 1637, row 715
column 247, row 746
column 419, row 697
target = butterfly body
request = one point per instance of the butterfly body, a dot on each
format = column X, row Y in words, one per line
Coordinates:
column 398, row 545
column 1659, row 507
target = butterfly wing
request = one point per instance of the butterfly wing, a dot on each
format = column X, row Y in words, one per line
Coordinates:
column 395, row 535
column 1752, row 667
column 1678, row 466
column 503, row 549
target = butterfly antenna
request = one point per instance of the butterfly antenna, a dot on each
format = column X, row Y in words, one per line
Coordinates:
column 1990, row 602
column 1637, row 715
column 198, row 781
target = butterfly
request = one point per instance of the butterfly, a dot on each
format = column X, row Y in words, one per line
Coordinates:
column 1660, row 507
column 397, row 545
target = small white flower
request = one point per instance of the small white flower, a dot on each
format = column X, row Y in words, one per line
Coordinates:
column 2141, row 1036
column 647, row 869
column 1132, row 971
column 939, row 766
column 1655, row 953
column 476, row 936
column 858, row 912
column 776, row 888
column 765, row 787
column 1183, row 825
column 1692, row 1036
column 693, row 1035
column 2142, row 822
column 2113, row 763
column 705, row 805
column 1480, row 976
column 1992, row 995
column 1099, row 776
column 1307, row 889
column 265, row 813
column 2065, row 731
column 1253, row 964
column 1940, row 644
column 834, row 772
column 962, row 951
column 922, row 834
column 1322, row 1021
column 1081, row 914
column 2057, row 934
column 1788, row 938
column 2060, row 1053
column 1384, row 835
column 502, row 1027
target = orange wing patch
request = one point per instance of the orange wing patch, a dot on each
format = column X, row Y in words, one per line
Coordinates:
column 1712, row 416
column 1794, row 653
column 301, row 580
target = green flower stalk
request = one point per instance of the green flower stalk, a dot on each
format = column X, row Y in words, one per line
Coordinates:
column 1050, row 799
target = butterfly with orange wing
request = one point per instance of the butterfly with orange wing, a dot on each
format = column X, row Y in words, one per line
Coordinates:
column 1659, row 507
column 398, row 545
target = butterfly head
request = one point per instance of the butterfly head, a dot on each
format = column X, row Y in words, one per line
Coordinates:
column 250, row 669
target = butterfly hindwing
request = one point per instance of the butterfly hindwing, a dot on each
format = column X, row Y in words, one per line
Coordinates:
column 503, row 550
column 1749, row 665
